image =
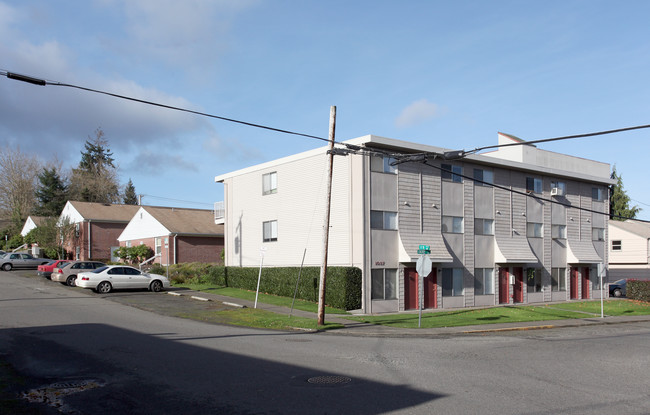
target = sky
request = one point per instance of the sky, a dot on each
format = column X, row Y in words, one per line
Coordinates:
column 445, row 73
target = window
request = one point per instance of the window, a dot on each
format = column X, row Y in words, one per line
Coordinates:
column 597, row 194
column 483, row 177
column 128, row 244
column 270, row 231
column 558, row 279
column 558, row 231
column 483, row 281
column 534, row 280
column 157, row 242
column 384, row 284
column 598, row 234
column 617, row 246
column 561, row 186
column 533, row 185
column 380, row 219
column 270, row 183
column 381, row 164
column 484, row 226
column 452, row 224
column 452, row 282
column 534, row 230
column 452, row 173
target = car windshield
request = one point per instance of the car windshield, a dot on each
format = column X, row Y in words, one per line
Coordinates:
column 619, row 282
column 100, row 269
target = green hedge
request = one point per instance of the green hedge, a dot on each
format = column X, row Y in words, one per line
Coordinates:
column 638, row 290
column 343, row 283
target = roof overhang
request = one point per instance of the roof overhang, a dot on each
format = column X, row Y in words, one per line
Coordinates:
column 514, row 250
column 582, row 252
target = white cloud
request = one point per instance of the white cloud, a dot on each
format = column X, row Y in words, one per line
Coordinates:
column 416, row 113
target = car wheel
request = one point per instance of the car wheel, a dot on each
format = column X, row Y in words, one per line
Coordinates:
column 71, row 281
column 104, row 287
column 156, row 286
column 7, row 267
column 617, row 293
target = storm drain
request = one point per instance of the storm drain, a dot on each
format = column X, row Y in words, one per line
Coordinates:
column 329, row 380
column 53, row 394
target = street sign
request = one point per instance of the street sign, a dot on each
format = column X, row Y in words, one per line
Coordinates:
column 425, row 247
column 423, row 251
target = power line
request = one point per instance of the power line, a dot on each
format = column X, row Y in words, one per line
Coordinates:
column 177, row 200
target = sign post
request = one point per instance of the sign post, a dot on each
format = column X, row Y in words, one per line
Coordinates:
column 259, row 276
column 423, row 267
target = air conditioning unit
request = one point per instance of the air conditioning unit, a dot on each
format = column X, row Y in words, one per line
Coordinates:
column 556, row 191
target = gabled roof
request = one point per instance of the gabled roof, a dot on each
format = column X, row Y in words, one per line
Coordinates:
column 105, row 212
column 638, row 228
column 186, row 221
column 38, row 220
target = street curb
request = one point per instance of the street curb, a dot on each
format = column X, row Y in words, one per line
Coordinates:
column 549, row 326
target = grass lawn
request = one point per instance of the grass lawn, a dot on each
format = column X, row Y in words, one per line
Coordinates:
column 507, row 314
column 263, row 298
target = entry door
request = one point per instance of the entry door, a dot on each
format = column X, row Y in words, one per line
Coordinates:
column 574, row 283
column 410, row 289
column 431, row 290
column 585, row 283
column 504, row 286
column 518, row 289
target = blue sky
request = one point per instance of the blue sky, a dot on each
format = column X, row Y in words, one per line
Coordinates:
column 450, row 74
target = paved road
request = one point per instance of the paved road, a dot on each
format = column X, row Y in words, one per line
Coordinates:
column 119, row 359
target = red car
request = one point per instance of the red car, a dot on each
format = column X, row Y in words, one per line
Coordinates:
column 46, row 270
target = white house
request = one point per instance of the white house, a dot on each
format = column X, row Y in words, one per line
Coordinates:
column 516, row 225
column 31, row 223
column 629, row 250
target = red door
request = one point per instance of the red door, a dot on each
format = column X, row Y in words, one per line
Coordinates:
column 410, row 289
column 585, row 283
column 574, row 283
column 518, row 289
column 431, row 290
column 504, row 286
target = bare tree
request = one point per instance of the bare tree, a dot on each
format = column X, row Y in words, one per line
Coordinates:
column 18, row 179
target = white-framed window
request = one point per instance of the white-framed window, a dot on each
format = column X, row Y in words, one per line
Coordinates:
column 270, row 231
column 483, row 281
column 452, row 224
column 484, row 226
column 597, row 194
column 617, row 245
column 157, row 242
column 561, row 186
column 483, row 177
column 382, row 164
column 380, row 219
column 534, row 230
column 451, row 172
column 384, row 284
column 534, row 280
column 77, row 253
column 558, row 231
column 558, row 279
column 598, row 234
column 533, row 185
column 270, row 183
column 452, row 282
column 128, row 244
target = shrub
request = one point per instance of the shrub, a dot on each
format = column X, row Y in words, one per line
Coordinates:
column 638, row 290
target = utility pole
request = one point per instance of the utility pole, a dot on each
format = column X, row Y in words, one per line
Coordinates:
column 326, row 226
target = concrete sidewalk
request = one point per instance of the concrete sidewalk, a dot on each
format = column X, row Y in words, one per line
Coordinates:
column 355, row 328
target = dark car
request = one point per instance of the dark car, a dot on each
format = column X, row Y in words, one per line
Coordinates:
column 20, row 260
column 617, row 288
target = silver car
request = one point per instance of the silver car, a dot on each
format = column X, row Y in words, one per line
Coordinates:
column 21, row 260
column 106, row 279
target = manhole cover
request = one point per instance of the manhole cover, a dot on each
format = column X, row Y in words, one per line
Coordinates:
column 329, row 380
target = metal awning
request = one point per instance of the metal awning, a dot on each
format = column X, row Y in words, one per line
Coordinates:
column 513, row 251
column 582, row 252
column 439, row 252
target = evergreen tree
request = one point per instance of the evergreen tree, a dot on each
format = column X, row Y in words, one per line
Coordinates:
column 619, row 201
column 95, row 180
column 130, row 197
column 51, row 193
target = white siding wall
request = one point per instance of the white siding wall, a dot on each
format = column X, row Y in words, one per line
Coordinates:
column 634, row 247
column 142, row 225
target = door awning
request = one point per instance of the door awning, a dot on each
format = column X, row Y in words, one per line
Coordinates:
column 513, row 251
column 439, row 252
column 582, row 252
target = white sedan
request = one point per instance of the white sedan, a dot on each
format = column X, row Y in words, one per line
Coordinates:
column 105, row 279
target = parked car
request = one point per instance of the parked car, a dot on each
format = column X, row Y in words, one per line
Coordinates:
column 68, row 273
column 20, row 260
column 110, row 277
column 618, row 288
column 45, row 270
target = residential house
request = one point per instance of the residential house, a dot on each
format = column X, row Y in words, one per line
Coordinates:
column 95, row 228
column 175, row 235
column 629, row 250
column 515, row 225
column 32, row 223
